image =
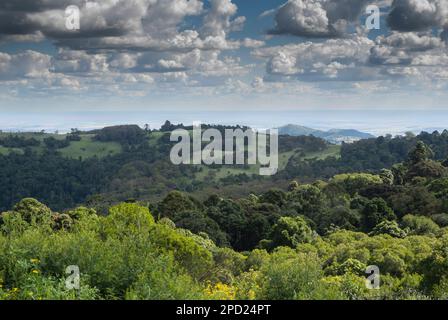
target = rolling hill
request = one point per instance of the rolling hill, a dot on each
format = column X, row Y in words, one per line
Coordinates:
column 336, row 136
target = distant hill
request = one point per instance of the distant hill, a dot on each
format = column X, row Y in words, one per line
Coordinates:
column 334, row 135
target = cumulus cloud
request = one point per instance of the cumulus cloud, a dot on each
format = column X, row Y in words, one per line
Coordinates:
column 418, row 15
column 252, row 43
column 27, row 64
column 217, row 21
column 318, row 18
column 70, row 61
column 134, row 24
column 407, row 48
column 410, row 55
column 313, row 61
column 298, row 17
column 283, row 63
column 130, row 41
column 410, row 41
column 135, row 46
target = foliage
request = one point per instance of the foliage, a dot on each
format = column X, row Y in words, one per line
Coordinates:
column 290, row 232
column 385, row 206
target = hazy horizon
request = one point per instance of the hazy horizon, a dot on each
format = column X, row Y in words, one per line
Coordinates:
column 378, row 122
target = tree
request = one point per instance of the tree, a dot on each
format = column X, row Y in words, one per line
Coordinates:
column 415, row 199
column 419, row 225
column 445, row 163
column 274, row 196
column 176, row 202
column 354, row 182
column 387, row 176
column 198, row 222
column 291, row 232
column 167, row 127
column 308, row 200
column 375, row 211
column 340, row 217
column 292, row 276
column 294, row 185
column 427, row 169
column 231, row 219
column 125, row 134
column 388, row 227
column 32, row 211
column 128, row 219
column 421, row 152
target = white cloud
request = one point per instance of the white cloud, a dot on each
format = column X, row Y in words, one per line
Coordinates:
column 318, row 18
column 175, row 47
column 252, row 43
column 418, row 15
column 301, row 17
column 317, row 60
column 27, row 64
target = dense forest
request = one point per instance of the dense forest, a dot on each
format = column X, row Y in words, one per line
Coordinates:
column 308, row 241
column 126, row 162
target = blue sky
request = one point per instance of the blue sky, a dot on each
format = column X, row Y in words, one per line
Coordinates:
column 199, row 55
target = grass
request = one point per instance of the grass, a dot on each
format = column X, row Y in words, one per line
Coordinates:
column 331, row 151
column 216, row 174
column 154, row 138
column 5, row 151
column 88, row 148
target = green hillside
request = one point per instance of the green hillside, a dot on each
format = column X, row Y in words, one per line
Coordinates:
column 87, row 148
column 127, row 162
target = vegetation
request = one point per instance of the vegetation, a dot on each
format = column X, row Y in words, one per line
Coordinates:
column 305, row 241
column 120, row 163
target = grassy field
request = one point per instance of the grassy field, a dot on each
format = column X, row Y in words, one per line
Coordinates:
column 87, row 148
column 6, row 151
column 154, row 137
column 207, row 172
column 331, row 151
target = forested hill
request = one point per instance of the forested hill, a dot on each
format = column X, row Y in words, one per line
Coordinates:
column 125, row 163
column 309, row 241
column 369, row 155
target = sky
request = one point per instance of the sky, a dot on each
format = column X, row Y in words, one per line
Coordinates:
column 256, row 56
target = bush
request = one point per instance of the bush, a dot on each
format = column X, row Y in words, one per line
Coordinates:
column 291, row 232
column 390, row 228
column 292, row 276
column 419, row 225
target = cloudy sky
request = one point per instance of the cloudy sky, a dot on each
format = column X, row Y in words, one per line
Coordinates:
column 223, row 55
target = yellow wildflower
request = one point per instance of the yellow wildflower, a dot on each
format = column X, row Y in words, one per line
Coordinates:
column 220, row 291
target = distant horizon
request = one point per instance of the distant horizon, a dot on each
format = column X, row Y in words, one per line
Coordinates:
column 375, row 122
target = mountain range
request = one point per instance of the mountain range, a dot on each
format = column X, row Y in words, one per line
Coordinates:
column 336, row 136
